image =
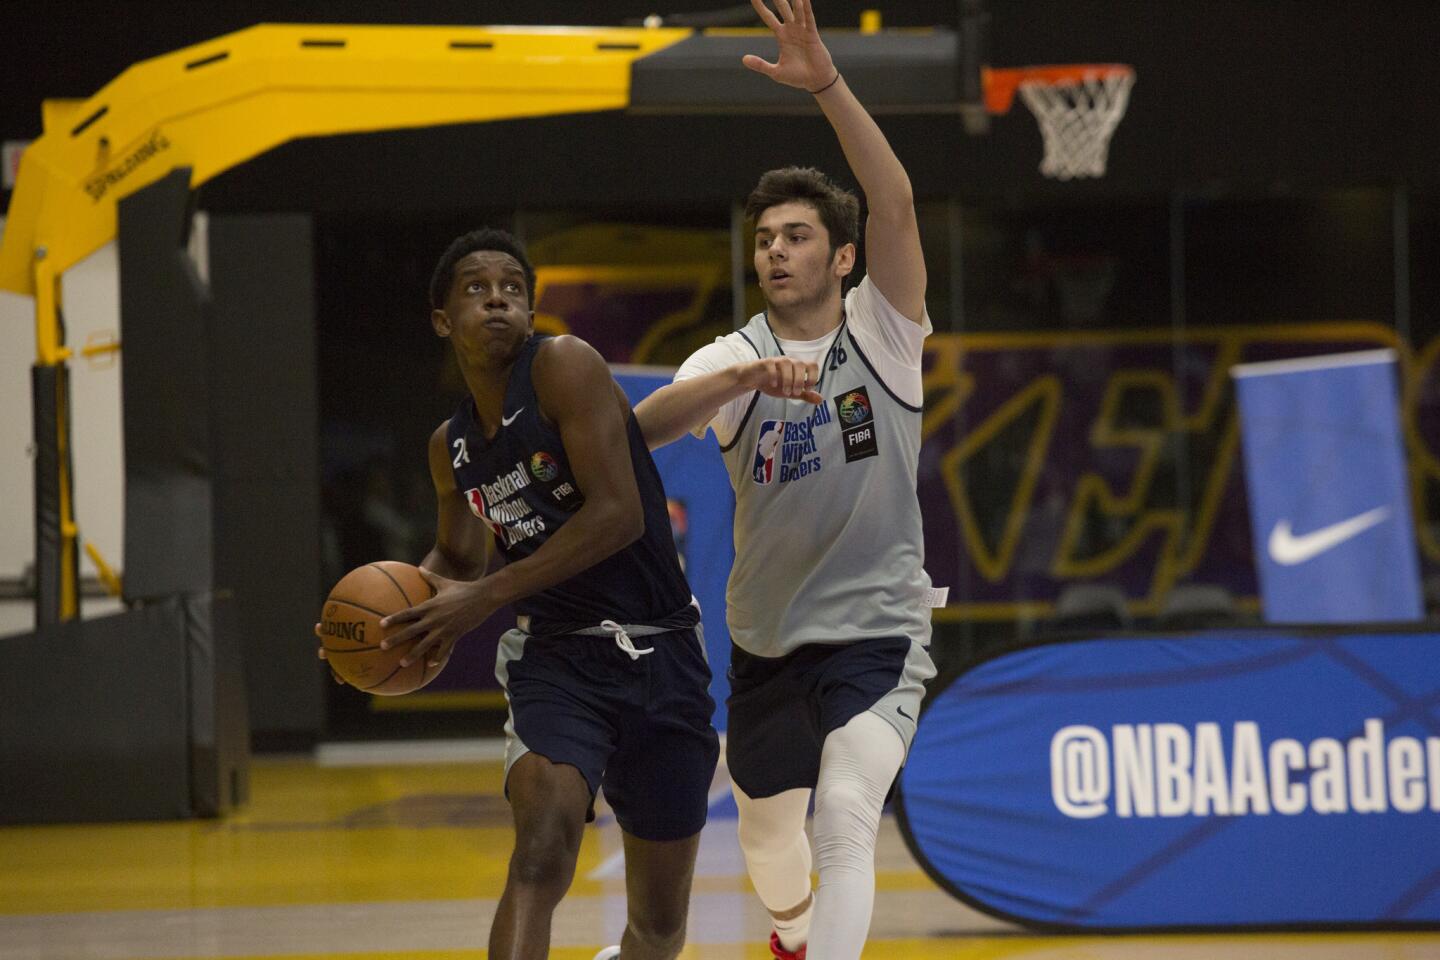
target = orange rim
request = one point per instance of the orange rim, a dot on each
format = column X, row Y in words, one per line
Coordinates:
column 1002, row 83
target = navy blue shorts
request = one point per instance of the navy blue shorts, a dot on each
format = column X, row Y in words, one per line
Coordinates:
column 639, row 729
column 783, row 708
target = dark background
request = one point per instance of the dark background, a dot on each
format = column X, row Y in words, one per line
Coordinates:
column 1279, row 163
column 1262, row 94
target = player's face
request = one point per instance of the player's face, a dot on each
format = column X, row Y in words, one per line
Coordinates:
column 792, row 256
column 487, row 313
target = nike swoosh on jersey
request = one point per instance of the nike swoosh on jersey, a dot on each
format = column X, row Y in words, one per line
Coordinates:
column 506, row 421
column 1289, row 550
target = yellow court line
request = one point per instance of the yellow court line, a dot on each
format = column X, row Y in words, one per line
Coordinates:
column 440, row 700
column 556, row 953
column 1293, row 946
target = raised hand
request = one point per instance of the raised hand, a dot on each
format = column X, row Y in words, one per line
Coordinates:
column 803, row 61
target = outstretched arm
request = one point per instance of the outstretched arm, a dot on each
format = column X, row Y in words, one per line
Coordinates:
column 687, row 405
column 894, row 260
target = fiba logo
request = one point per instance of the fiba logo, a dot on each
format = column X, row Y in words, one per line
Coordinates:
column 857, row 424
column 544, row 467
column 330, row 612
column 854, row 408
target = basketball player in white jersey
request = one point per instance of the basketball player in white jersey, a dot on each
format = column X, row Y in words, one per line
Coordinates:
column 828, row 601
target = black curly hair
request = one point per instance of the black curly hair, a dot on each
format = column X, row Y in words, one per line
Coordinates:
column 486, row 238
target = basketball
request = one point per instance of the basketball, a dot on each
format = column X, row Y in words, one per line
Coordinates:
column 350, row 628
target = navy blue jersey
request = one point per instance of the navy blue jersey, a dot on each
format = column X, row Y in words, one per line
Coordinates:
column 520, row 485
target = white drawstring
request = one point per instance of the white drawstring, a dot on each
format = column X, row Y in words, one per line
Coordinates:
column 622, row 639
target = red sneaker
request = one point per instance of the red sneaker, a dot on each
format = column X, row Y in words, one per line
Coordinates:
column 780, row 952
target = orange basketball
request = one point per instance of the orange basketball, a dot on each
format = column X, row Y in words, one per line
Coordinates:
column 350, row 627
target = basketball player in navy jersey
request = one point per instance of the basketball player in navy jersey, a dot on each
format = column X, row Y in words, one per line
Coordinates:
column 828, row 601
column 605, row 673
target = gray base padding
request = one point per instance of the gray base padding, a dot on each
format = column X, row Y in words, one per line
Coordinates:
column 138, row 716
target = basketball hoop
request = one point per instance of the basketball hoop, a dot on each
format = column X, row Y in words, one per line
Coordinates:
column 1078, row 107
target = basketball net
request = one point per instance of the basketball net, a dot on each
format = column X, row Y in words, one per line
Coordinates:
column 1077, row 108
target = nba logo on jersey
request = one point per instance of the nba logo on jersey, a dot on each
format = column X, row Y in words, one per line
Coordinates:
column 476, row 499
column 766, row 448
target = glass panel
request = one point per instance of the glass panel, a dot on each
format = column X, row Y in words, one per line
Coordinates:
column 1290, row 259
column 1066, row 268
column 1046, row 417
column 1423, row 398
column 1080, row 449
column 642, row 287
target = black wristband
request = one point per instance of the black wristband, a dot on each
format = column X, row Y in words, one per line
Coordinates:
column 827, row 86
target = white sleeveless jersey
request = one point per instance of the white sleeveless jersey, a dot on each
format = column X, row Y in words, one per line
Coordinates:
column 828, row 540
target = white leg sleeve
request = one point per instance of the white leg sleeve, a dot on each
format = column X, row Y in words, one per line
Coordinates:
column 857, row 766
column 777, row 852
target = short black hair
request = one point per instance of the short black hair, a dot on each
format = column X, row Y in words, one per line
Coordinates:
column 486, row 238
column 839, row 209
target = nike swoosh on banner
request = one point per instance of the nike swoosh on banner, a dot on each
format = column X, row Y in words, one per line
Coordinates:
column 506, row 421
column 1288, row 550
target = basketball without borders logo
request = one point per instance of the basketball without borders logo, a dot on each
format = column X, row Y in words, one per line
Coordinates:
column 771, row 433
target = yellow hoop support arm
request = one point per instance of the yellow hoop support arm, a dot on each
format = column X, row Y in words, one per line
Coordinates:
column 219, row 103
column 107, row 573
column 69, row 531
column 49, row 350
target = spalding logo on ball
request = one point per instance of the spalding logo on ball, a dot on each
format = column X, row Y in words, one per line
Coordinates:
column 350, row 629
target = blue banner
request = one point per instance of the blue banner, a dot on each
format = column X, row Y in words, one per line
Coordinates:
column 1329, row 500
column 702, row 514
column 1208, row 781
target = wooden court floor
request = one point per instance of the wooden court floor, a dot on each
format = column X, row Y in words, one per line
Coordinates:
column 362, row 853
